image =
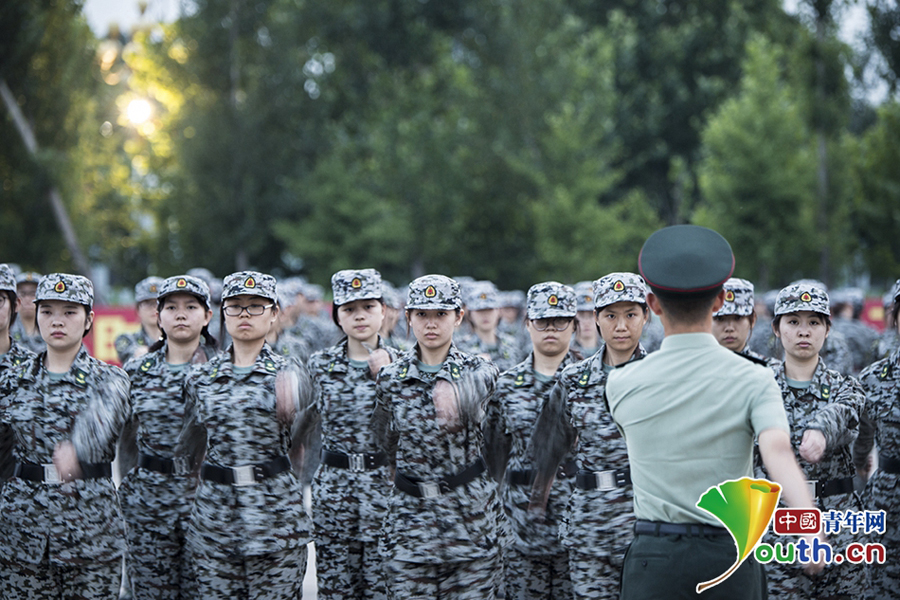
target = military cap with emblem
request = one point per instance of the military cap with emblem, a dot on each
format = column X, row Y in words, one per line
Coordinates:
column 185, row 284
column 7, row 279
column 584, row 294
column 147, row 289
column 28, row 277
column 433, row 292
column 738, row 298
column 685, row 260
column 65, row 287
column 619, row 287
column 482, row 295
column 549, row 300
column 802, row 297
column 513, row 299
column 250, row 282
column 356, row 284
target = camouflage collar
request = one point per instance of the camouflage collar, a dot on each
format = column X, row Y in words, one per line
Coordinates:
column 593, row 373
column 267, row 363
column 16, row 355
column 79, row 374
column 450, row 369
column 820, row 386
column 524, row 371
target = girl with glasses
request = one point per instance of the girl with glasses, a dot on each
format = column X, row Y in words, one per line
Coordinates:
column 247, row 416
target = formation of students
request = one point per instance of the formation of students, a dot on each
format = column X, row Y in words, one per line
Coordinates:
column 467, row 451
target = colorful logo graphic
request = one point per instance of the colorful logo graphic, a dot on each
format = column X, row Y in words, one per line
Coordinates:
column 745, row 507
column 797, row 521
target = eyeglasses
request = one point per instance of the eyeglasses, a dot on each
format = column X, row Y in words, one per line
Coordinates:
column 254, row 310
column 553, row 324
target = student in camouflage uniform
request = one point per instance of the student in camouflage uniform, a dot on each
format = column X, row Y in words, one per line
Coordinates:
column 823, row 409
column 155, row 501
column 318, row 331
column 535, row 564
column 880, row 427
column 441, row 536
column 12, row 354
column 597, row 524
column 282, row 340
column 131, row 345
column 24, row 331
column 889, row 338
column 486, row 340
column 733, row 323
column 511, row 320
column 248, row 410
column 586, row 341
column 391, row 331
column 351, row 485
column 846, row 306
column 61, row 532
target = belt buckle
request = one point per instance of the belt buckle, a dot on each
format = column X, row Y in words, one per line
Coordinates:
column 51, row 475
column 244, row 475
column 813, row 484
column 429, row 489
column 606, row 480
column 180, row 465
column 356, row 462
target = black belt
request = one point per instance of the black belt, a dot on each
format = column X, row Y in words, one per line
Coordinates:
column 889, row 464
column 603, row 480
column 432, row 489
column 693, row 529
column 526, row 476
column 833, row 487
column 166, row 466
column 354, row 462
column 47, row 472
column 247, row 474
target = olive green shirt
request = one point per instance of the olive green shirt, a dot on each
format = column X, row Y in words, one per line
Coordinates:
column 689, row 414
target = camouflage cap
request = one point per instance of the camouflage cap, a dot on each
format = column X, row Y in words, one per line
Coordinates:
column 513, row 299
column 147, row 289
column 619, row 287
column 550, row 299
column 185, row 284
column 313, row 292
column 853, row 296
column 202, row 273
column 28, row 277
column 356, row 284
column 738, row 298
column 482, row 295
column 7, row 279
column 250, row 282
column 66, row 287
column 433, row 292
column 584, row 295
column 802, row 296
column 391, row 296
column 812, row 282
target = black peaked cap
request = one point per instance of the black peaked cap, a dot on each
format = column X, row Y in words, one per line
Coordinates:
column 685, row 259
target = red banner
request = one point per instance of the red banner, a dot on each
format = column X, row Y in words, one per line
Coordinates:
column 109, row 323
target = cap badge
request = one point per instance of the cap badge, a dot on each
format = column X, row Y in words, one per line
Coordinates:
column 729, row 296
column 181, row 283
column 250, row 283
column 618, row 286
column 588, row 298
column 553, row 300
column 430, row 292
column 153, row 288
column 356, row 283
column 60, row 287
column 805, row 297
column 483, row 297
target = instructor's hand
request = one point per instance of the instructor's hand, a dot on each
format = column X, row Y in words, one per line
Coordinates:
column 812, row 447
column 446, row 405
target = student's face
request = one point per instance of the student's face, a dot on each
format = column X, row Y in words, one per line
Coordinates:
column 183, row 317
column 802, row 334
column 554, row 339
column 63, row 324
column 486, row 319
column 433, row 328
column 361, row 319
column 26, row 293
column 146, row 310
column 732, row 331
column 621, row 325
column 6, row 311
column 244, row 326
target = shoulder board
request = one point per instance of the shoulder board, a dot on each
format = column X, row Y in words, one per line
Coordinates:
column 826, row 391
column 520, row 380
column 147, row 364
column 214, row 372
column 753, row 359
column 454, row 371
column 585, row 377
column 885, row 371
column 269, row 365
column 633, row 360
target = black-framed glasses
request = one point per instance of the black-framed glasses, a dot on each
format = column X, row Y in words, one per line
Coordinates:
column 553, row 323
column 254, row 310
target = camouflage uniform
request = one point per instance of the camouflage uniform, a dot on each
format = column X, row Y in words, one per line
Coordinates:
column 832, row 405
column 739, row 301
column 289, row 344
column 128, row 343
column 350, row 498
column 155, row 501
column 861, row 339
column 248, row 529
column 444, row 544
column 584, row 294
column 535, row 564
column 483, row 295
column 62, row 539
column 880, row 425
column 34, row 342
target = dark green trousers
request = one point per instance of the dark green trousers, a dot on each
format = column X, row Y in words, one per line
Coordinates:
column 671, row 566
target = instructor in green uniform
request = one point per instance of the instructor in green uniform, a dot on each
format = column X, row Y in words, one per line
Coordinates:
column 689, row 414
